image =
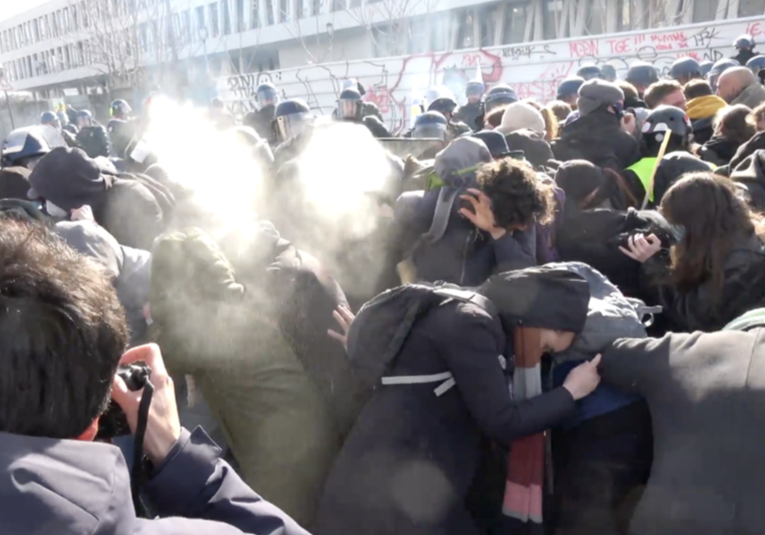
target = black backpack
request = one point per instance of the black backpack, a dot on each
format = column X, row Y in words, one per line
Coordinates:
column 383, row 324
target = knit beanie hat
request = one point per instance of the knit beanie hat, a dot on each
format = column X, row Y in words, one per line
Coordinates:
column 596, row 94
column 520, row 115
column 703, row 107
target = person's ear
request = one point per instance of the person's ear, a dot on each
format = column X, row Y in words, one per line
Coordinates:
column 90, row 433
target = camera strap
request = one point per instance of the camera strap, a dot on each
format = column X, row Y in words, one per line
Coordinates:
column 139, row 473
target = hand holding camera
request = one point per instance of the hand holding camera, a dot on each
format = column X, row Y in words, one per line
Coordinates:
column 163, row 426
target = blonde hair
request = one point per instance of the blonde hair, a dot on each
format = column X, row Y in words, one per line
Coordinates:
column 551, row 121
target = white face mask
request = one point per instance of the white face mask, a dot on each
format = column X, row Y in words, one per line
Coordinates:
column 54, row 210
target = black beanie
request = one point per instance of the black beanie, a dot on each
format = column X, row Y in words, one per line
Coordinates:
column 69, row 179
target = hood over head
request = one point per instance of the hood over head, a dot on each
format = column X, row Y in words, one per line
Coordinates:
column 542, row 297
column 462, row 154
column 70, row 179
column 535, row 147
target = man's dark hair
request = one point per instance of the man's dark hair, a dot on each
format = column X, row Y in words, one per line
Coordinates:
column 629, row 90
column 62, row 332
column 658, row 91
column 697, row 88
column 518, row 197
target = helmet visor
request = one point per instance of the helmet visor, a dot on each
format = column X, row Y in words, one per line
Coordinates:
column 430, row 131
column 348, row 109
column 495, row 101
column 291, row 125
column 266, row 96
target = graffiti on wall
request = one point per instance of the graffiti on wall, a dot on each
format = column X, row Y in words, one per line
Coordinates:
column 534, row 70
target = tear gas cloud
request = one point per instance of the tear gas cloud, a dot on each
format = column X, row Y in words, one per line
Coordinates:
column 333, row 213
column 216, row 166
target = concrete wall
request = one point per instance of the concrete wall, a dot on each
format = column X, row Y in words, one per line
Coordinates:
column 534, row 69
column 25, row 113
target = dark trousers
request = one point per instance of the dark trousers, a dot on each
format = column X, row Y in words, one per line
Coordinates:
column 601, row 468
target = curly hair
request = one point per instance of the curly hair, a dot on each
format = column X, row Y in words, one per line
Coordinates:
column 518, row 197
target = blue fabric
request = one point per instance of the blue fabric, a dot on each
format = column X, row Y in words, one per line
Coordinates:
column 603, row 400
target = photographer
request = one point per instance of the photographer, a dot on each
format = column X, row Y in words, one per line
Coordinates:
column 63, row 333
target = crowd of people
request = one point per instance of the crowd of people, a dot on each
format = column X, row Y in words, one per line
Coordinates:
column 545, row 317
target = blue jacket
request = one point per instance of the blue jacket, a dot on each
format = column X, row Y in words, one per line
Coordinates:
column 71, row 487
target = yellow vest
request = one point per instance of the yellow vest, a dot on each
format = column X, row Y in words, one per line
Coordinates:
column 643, row 169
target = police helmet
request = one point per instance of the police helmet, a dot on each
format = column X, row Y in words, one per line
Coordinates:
column 608, row 72
column 440, row 98
column 48, row 117
column 120, row 108
column 28, row 142
column 589, row 72
column 705, row 67
column 718, row 68
column 569, row 87
column 744, row 41
column 664, row 119
column 292, row 117
column 430, row 125
column 474, row 87
column 685, row 67
column 756, row 64
column 267, row 94
column 499, row 95
column 84, row 116
column 642, row 74
column 349, row 105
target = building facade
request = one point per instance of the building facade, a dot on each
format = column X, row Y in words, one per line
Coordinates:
column 67, row 47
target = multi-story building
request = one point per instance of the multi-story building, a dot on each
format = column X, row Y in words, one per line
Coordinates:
column 68, row 46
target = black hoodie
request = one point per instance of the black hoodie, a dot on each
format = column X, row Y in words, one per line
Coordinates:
column 751, row 173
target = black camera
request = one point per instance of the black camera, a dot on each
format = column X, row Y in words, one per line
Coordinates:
column 113, row 422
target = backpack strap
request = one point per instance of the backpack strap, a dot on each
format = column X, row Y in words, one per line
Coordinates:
column 445, row 379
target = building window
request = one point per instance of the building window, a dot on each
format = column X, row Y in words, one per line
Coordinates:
column 465, row 28
column 270, row 11
column 315, row 7
column 186, row 27
column 224, row 13
column 255, row 20
column 418, row 36
column 751, row 8
column 514, row 30
column 553, row 11
column 214, row 29
column 240, row 27
column 200, row 21
column 284, row 14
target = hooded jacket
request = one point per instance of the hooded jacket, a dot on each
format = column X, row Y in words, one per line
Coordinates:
column 705, row 394
column 129, row 269
column 535, row 147
column 719, row 150
column 464, row 255
column 71, row 487
column 598, row 138
column 751, row 173
column 747, row 149
column 412, row 454
column 752, row 96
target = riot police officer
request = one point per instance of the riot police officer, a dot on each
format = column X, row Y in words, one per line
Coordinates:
column 641, row 75
column 745, row 46
column 25, row 146
column 442, row 100
column 468, row 113
column 718, row 68
column 757, row 66
column 121, row 127
column 92, row 137
column 683, row 70
column 568, row 91
column 262, row 119
column 589, row 72
column 292, row 117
